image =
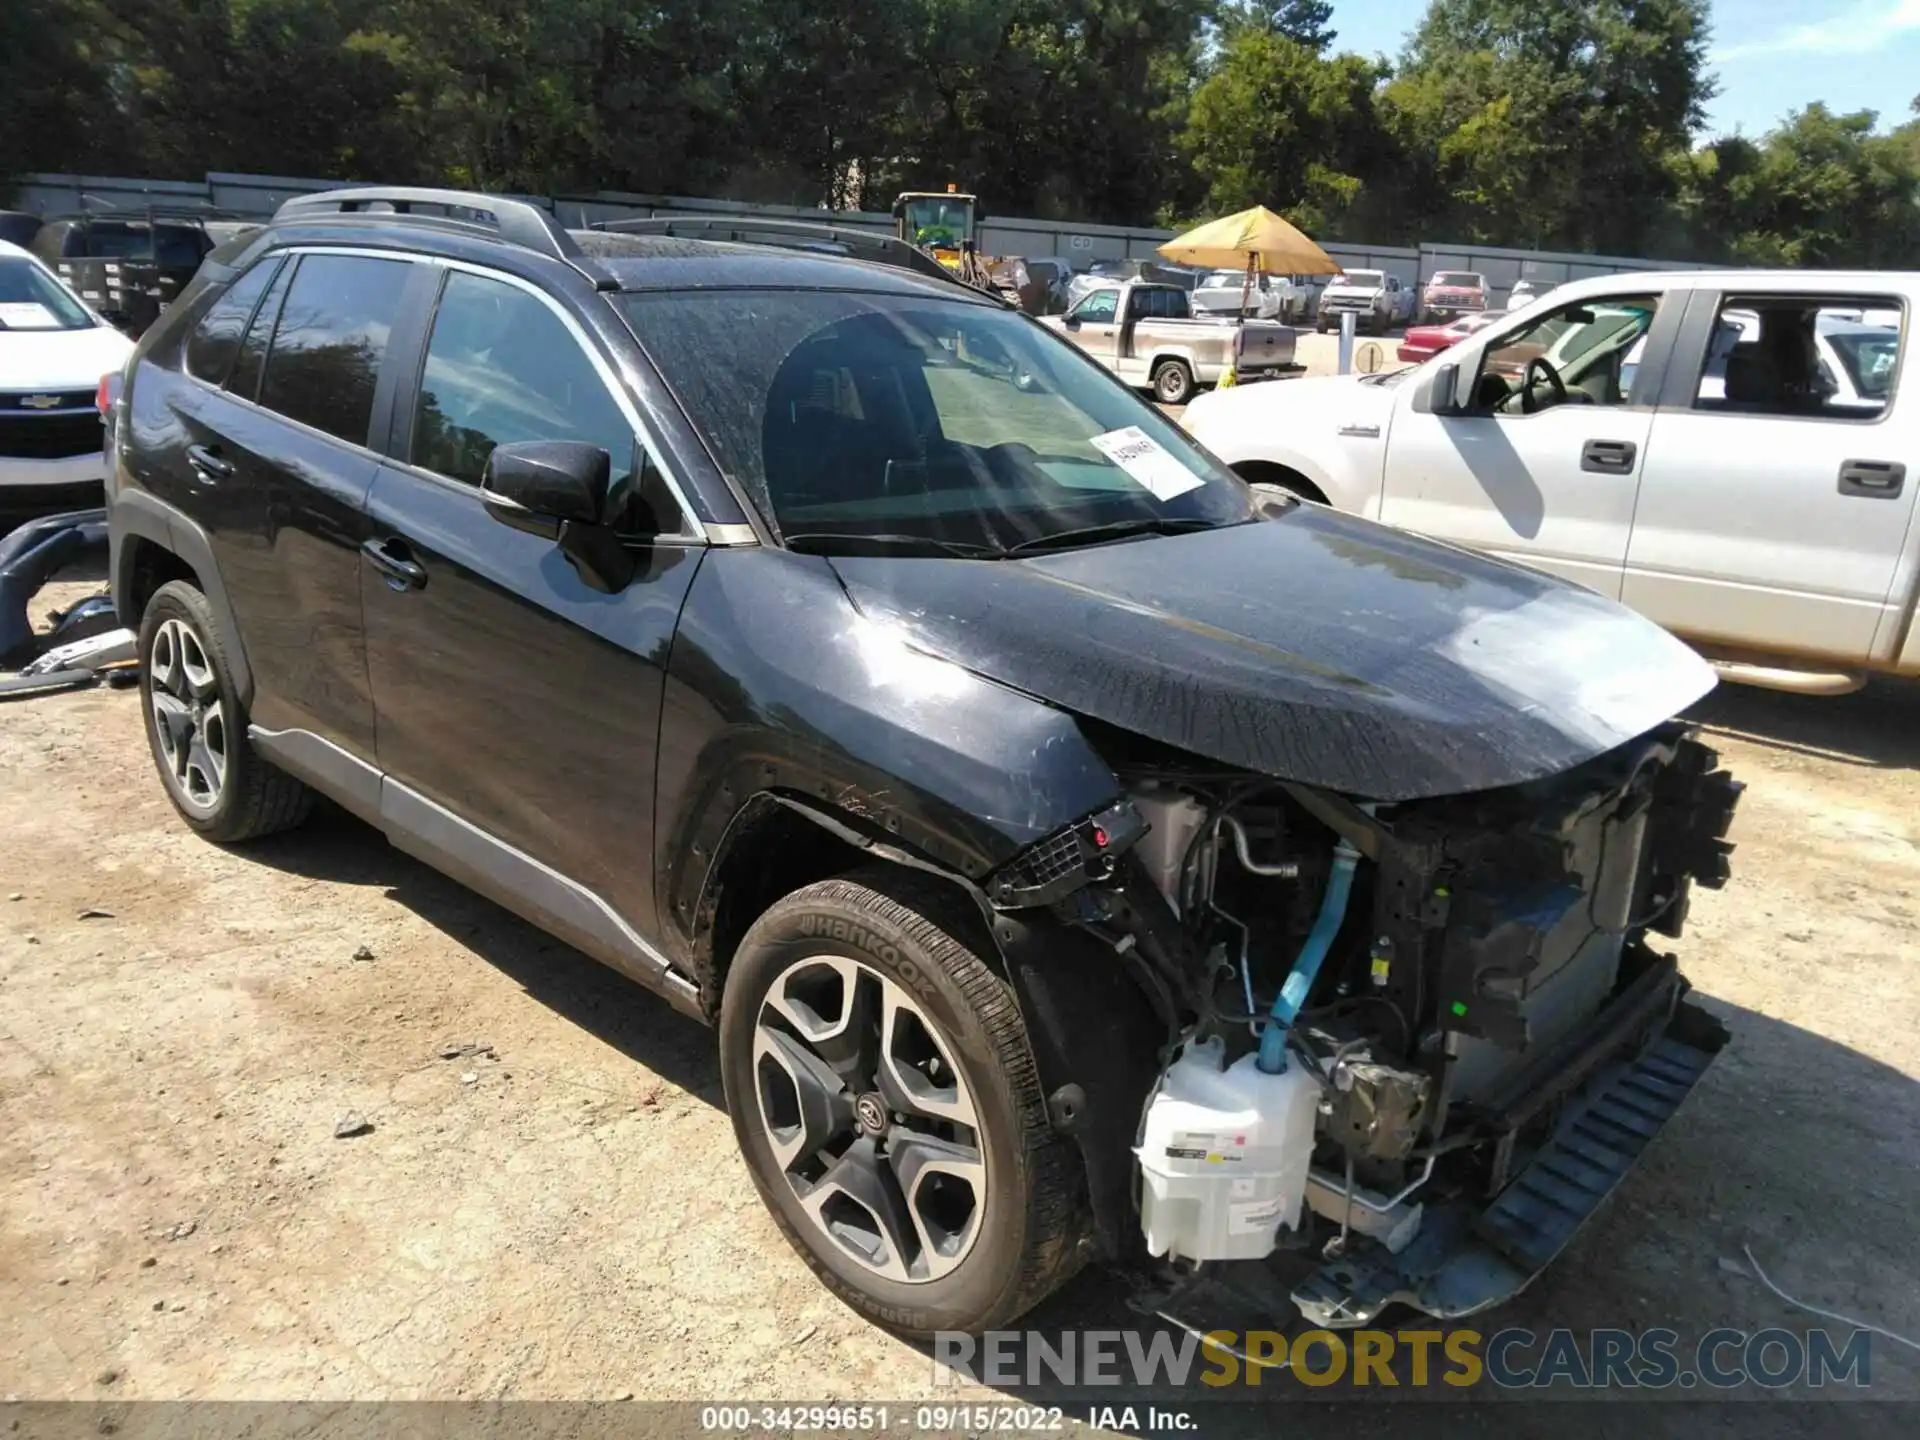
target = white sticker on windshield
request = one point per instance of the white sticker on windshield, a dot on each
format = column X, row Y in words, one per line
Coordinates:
column 1142, row 457
column 27, row 315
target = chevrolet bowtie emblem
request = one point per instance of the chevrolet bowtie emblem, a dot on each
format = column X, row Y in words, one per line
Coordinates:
column 39, row 402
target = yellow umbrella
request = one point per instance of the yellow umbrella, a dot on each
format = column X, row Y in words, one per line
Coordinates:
column 1257, row 239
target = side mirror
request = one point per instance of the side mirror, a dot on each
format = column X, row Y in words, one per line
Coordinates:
column 1071, row 322
column 557, row 489
column 554, row 479
column 1443, row 396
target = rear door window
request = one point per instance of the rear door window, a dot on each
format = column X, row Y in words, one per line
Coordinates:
column 216, row 339
column 331, row 341
column 1829, row 358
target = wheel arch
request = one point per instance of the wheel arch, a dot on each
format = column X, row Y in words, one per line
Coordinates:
column 1094, row 1077
column 1272, row 472
column 1161, row 354
column 777, row 843
column 150, row 543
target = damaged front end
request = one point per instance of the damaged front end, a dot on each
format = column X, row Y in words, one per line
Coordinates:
column 1354, row 1055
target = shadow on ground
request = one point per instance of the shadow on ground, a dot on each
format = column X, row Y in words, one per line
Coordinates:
column 338, row 848
column 1878, row 726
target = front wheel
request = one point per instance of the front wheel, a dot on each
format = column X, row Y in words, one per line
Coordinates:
column 885, row 1098
column 1172, row 382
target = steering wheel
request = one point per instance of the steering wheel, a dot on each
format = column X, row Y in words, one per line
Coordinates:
column 1528, row 404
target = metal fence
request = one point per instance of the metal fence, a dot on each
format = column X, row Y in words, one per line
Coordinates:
column 261, row 195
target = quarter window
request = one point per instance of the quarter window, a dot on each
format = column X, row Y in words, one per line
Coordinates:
column 252, row 359
column 216, row 340
column 331, row 340
column 501, row 367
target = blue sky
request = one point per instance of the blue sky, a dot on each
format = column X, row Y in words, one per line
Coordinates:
column 1771, row 56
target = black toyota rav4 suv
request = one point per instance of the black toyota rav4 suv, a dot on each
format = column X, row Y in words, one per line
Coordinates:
column 1038, row 811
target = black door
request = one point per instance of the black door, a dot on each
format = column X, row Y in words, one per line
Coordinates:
column 277, row 465
column 508, row 692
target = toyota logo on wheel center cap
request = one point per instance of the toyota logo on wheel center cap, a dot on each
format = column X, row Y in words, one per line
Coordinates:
column 871, row 1112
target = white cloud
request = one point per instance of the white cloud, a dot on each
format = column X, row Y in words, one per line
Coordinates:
column 1857, row 30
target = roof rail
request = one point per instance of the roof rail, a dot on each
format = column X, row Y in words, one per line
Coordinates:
column 519, row 222
column 854, row 242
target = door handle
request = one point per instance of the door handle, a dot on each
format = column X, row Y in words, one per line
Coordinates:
column 394, row 560
column 1872, row 479
column 207, row 464
column 1608, row 457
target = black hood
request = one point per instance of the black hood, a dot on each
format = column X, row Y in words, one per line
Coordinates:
column 1312, row 646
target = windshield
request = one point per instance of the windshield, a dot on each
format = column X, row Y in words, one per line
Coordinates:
column 1360, row 279
column 31, row 299
column 1463, row 278
column 907, row 418
column 941, row 221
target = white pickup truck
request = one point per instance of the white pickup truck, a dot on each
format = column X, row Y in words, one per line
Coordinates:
column 1724, row 451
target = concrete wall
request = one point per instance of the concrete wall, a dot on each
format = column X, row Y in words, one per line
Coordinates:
column 260, row 195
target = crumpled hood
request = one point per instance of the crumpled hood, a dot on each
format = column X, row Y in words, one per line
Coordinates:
column 60, row 359
column 1313, row 646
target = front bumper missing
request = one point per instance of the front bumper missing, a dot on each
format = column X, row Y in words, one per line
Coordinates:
column 1471, row 1255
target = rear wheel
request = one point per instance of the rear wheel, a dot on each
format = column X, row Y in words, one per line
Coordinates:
column 197, row 727
column 884, row 1095
column 1172, row 382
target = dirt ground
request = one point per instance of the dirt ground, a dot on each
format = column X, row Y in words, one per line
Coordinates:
column 564, row 1214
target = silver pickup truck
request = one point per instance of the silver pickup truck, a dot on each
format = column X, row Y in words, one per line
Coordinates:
column 1731, row 453
column 1148, row 335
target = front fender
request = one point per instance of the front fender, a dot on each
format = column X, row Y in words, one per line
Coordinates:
column 778, row 685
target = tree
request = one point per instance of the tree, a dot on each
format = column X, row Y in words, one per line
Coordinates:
column 1550, row 125
column 1276, row 124
column 1303, row 21
column 1822, row 189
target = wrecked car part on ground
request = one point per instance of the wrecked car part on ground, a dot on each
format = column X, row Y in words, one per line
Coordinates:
column 1076, row 853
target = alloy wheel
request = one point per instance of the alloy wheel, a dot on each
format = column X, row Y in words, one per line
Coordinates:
column 870, row 1122
column 189, row 716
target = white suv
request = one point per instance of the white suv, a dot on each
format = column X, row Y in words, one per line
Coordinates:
column 53, row 351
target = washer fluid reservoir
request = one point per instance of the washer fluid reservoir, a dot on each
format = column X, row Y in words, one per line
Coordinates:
column 1224, row 1155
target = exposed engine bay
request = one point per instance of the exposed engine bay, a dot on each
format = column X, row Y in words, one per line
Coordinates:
column 1413, row 1043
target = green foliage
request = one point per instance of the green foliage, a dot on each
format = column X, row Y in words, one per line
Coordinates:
column 1822, row 190
column 1549, row 125
column 1276, row 124
column 1505, row 122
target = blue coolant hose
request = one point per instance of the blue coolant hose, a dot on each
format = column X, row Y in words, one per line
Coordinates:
column 1293, row 994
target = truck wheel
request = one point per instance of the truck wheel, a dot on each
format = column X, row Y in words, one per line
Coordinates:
column 885, row 1097
column 197, row 729
column 1172, row 382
